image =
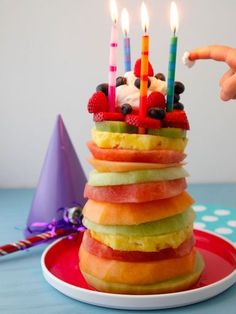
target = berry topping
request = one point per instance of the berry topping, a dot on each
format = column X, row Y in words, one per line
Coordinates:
column 160, row 76
column 126, row 109
column 178, row 106
column 137, row 69
column 108, row 116
column 176, row 98
column 98, row 102
column 176, row 119
column 121, row 80
column 157, row 113
column 146, row 122
column 156, row 99
column 102, row 88
column 179, row 87
column 137, row 83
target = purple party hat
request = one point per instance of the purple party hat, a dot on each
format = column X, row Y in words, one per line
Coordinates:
column 61, row 183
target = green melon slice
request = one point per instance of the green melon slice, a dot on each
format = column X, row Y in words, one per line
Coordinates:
column 158, row 227
column 137, row 176
column 115, row 127
column 168, row 132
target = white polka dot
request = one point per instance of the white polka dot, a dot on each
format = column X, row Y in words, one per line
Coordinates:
column 210, row 218
column 222, row 212
column 199, row 225
column 199, row 208
column 224, row 230
column 232, row 223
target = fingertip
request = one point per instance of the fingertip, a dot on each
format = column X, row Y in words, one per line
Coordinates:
column 224, row 96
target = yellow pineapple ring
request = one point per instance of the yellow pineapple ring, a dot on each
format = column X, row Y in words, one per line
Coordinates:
column 137, row 141
column 144, row 244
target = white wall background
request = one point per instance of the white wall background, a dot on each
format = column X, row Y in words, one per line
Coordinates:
column 53, row 53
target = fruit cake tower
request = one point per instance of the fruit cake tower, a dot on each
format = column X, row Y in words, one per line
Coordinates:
column 139, row 237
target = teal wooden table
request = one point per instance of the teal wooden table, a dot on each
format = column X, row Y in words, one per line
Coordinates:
column 23, row 289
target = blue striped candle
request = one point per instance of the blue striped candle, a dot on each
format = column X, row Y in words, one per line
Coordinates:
column 127, row 57
column 171, row 73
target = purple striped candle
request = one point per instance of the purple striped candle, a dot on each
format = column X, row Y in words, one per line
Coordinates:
column 113, row 57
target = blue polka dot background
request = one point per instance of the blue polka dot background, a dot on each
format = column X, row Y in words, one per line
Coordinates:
column 222, row 221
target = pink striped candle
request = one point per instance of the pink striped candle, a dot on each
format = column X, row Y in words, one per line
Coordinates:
column 113, row 57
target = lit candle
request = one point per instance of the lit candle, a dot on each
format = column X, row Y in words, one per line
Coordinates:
column 174, row 23
column 144, row 62
column 113, row 57
column 125, row 28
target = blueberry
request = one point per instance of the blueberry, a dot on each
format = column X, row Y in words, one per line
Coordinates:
column 102, row 88
column 126, row 109
column 178, row 106
column 157, row 113
column 176, row 98
column 179, row 87
column 121, row 80
column 137, row 83
column 160, row 76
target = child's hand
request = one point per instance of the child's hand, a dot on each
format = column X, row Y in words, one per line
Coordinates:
column 225, row 54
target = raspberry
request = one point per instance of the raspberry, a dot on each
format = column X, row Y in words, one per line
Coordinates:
column 156, row 99
column 108, row 116
column 147, row 123
column 176, row 119
column 137, row 69
column 98, row 102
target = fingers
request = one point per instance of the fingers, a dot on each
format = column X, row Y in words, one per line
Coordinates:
column 228, row 88
column 227, row 75
column 217, row 53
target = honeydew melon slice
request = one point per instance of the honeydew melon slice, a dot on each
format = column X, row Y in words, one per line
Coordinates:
column 115, row 127
column 137, row 176
column 137, row 141
column 144, row 243
column 135, row 213
column 136, row 272
column 168, row 132
column 158, row 227
column 172, row 285
column 122, row 166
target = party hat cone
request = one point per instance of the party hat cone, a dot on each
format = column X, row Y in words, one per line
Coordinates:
column 61, row 182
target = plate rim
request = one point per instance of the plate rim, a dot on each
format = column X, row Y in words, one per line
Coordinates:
column 178, row 298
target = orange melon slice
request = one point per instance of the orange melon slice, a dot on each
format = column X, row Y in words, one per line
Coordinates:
column 119, row 166
column 135, row 273
column 135, row 213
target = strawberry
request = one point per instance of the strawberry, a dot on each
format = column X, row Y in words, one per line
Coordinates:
column 147, row 123
column 108, row 116
column 156, row 99
column 176, row 119
column 98, row 102
column 137, row 69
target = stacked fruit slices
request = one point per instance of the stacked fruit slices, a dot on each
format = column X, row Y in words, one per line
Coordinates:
column 139, row 220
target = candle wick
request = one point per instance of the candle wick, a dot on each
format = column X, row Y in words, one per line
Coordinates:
column 174, row 31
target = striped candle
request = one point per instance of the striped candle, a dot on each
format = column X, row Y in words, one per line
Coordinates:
column 144, row 65
column 125, row 28
column 174, row 21
column 113, row 58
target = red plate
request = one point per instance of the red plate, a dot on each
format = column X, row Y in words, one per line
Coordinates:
column 61, row 270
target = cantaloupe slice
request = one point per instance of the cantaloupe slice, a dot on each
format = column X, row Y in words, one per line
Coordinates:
column 167, row 286
column 135, row 213
column 119, row 166
column 137, row 141
column 136, row 273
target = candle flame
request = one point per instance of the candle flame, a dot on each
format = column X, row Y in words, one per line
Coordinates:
column 144, row 18
column 174, row 17
column 114, row 11
column 125, row 22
